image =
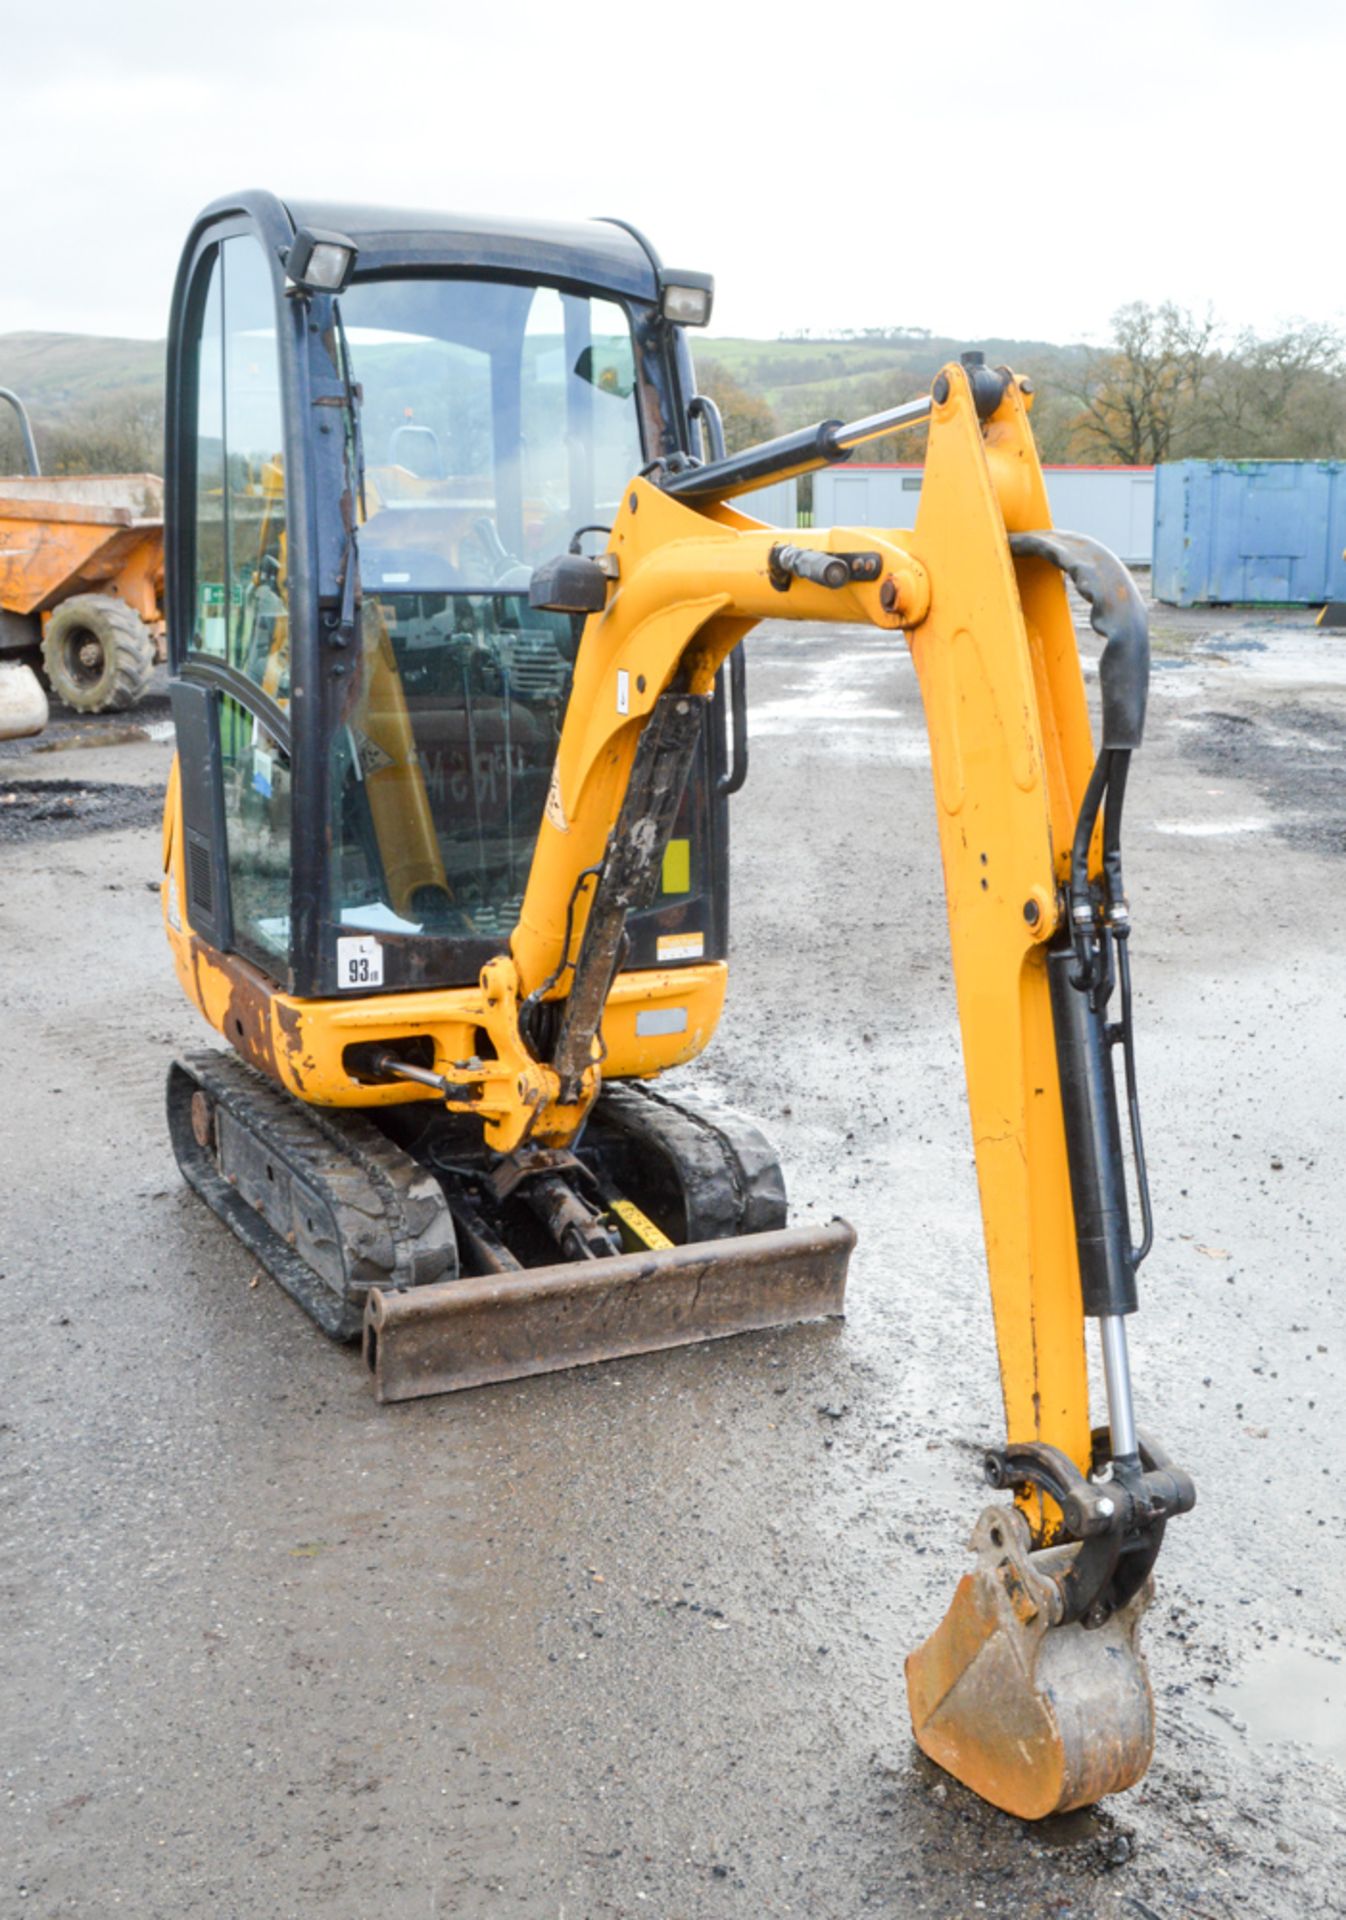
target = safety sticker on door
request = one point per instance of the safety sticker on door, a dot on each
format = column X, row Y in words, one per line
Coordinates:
column 359, row 962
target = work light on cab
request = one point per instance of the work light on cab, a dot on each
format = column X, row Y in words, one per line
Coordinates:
column 320, row 262
column 687, row 298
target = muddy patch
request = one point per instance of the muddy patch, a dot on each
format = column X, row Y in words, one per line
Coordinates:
column 45, row 809
column 1292, row 753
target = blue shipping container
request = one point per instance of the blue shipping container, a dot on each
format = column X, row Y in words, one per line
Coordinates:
column 1227, row 531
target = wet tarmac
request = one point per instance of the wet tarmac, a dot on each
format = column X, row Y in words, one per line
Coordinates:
column 629, row 1641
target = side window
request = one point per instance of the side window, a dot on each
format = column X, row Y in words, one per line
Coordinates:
column 239, row 606
column 611, row 372
column 580, row 429
column 212, row 559
column 257, row 832
column 254, row 440
column 239, row 612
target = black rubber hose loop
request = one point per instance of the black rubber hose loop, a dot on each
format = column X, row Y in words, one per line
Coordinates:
column 1117, row 612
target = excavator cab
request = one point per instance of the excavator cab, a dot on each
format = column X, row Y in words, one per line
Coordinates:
column 410, row 445
column 380, row 425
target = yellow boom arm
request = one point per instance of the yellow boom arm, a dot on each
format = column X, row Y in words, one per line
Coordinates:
column 994, row 648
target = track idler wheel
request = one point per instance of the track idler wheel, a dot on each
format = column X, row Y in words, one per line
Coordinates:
column 1033, row 1714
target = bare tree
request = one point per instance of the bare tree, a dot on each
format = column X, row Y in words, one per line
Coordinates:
column 1282, row 397
column 121, row 435
column 1139, row 394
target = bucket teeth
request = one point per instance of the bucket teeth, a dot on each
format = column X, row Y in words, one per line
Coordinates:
column 1034, row 1716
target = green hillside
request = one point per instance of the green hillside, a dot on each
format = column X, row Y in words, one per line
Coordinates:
column 58, row 374
column 791, row 373
column 795, row 382
column 96, row 404
column 105, row 395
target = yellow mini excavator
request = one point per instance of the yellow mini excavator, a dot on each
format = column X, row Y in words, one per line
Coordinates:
column 445, row 864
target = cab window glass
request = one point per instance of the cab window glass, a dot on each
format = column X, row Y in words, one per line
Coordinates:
column 212, row 560
column 239, row 610
column 257, row 830
column 497, row 419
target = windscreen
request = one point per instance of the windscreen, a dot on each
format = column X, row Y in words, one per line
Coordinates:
column 497, row 420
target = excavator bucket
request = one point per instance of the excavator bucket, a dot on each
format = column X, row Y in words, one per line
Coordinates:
column 503, row 1326
column 1035, row 1717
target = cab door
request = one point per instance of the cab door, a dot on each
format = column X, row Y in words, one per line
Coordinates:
column 232, row 694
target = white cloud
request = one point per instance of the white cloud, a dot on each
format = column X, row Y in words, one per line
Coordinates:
column 982, row 170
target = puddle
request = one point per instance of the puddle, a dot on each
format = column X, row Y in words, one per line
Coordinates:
column 105, row 736
column 1213, row 829
column 1290, row 1694
column 805, row 711
column 1294, row 656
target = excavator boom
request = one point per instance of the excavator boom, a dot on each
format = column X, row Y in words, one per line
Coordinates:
column 1033, row 1690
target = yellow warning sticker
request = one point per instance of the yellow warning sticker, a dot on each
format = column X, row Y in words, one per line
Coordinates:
column 678, row 866
column 680, row 946
column 639, row 1227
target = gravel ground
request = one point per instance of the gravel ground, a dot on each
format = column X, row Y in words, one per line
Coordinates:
column 629, row 1641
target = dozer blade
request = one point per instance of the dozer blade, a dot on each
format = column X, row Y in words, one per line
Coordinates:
column 1035, row 1718
column 469, row 1332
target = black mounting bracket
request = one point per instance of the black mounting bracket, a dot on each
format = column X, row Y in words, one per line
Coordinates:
column 1117, row 1513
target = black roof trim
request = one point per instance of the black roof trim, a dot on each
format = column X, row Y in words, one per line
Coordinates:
column 596, row 253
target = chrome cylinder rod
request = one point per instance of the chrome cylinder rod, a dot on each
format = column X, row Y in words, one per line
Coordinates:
column 912, row 413
column 1117, row 1374
column 801, row 452
column 396, row 1069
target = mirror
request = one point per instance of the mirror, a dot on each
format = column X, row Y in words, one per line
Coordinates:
column 610, row 367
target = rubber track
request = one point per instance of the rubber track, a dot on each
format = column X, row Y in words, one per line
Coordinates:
column 731, row 1179
column 393, row 1221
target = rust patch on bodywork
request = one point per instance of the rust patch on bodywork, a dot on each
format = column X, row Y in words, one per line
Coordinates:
column 290, row 1021
column 247, row 1015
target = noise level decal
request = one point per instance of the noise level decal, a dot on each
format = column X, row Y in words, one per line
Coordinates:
column 359, row 961
column 680, row 946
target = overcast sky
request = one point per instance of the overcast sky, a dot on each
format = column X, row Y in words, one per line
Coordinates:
column 1012, row 170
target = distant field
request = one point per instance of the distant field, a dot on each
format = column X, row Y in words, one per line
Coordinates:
column 61, row 372
column 806, row 380
column 67, row 378
column 58, row 374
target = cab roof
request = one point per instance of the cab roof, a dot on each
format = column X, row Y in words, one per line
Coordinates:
column 600, row 253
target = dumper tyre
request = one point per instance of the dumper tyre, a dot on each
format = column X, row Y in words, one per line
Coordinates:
column 97, row 653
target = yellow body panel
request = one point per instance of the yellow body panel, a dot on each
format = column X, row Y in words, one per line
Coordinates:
column 1011, row 752
column 301, row 1043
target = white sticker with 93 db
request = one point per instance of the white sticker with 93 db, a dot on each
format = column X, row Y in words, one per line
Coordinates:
column 360, row 962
